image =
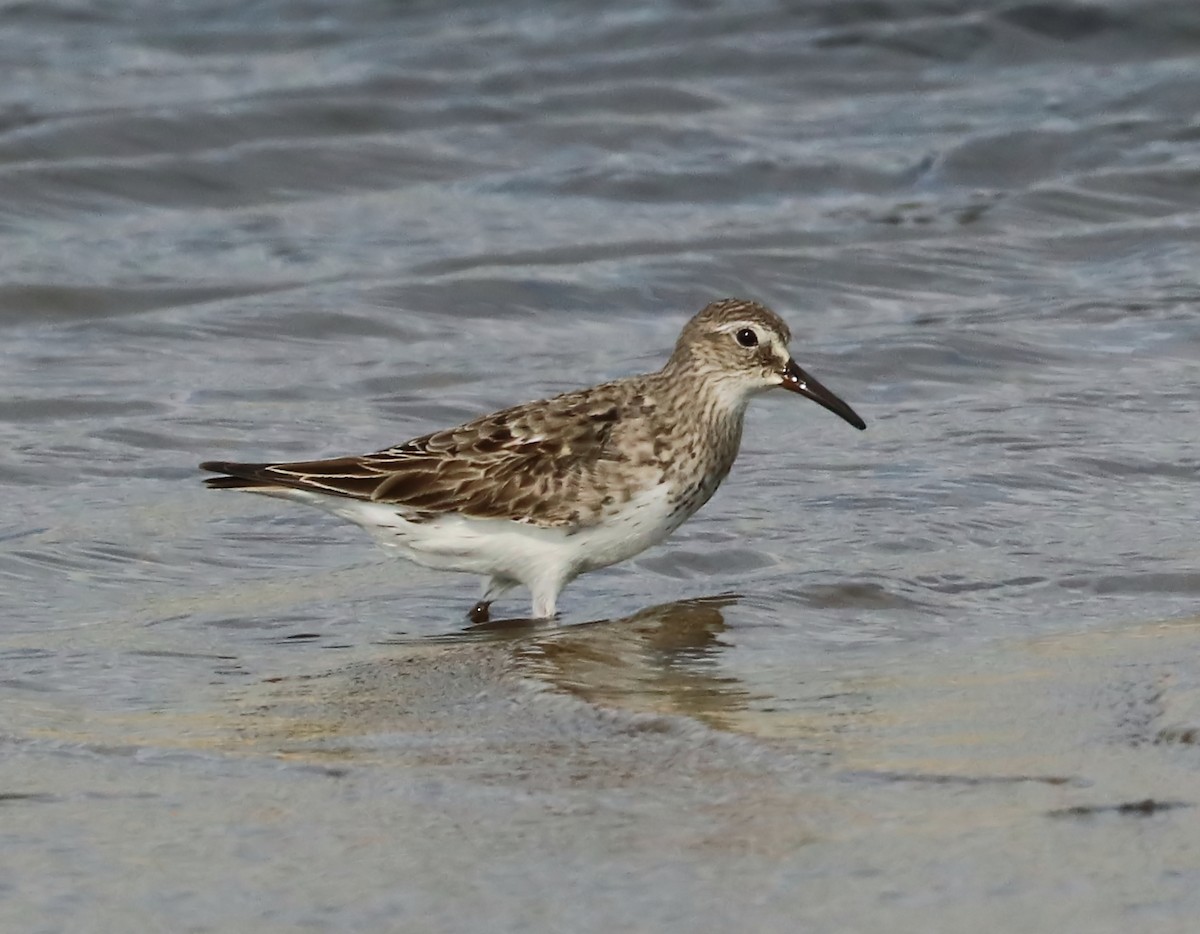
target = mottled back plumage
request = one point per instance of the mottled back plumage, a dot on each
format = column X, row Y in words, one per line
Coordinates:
column 541, row 463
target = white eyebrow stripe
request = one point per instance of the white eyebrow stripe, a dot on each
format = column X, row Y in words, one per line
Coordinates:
column 738, row 325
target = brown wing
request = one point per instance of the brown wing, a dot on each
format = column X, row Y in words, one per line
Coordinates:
column 545, row 463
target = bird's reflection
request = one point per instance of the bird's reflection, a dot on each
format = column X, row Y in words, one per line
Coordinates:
column 663, row 659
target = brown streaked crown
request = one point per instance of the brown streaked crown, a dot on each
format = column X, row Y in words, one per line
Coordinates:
column 715, row 316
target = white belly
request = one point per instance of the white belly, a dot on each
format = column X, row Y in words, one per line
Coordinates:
column 502, row 547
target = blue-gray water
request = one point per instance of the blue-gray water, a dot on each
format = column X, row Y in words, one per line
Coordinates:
column 957, row 683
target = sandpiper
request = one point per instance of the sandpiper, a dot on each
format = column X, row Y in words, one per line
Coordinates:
column 543, row 492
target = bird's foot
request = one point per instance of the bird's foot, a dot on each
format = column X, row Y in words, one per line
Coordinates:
column 479, row 612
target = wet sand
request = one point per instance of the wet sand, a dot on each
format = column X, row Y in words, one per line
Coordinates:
column 581, row 778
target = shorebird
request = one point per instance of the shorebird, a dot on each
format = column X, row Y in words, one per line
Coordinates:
column 542, row 492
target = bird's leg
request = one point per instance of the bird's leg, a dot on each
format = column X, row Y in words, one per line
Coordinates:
column 544, row 601
column 546, row 587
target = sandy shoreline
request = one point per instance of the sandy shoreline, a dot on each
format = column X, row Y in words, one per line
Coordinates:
column 550, row 770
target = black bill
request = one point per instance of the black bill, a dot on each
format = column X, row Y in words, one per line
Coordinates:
column 796, row 380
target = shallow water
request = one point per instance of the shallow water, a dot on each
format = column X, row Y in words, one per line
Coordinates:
column 281, row 231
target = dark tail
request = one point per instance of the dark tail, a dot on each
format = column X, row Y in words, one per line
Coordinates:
column 238, row 476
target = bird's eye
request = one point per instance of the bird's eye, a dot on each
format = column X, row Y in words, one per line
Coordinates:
column 747, row 338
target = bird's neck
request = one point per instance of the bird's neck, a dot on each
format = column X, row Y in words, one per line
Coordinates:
column 719, row 405
column 722, row 400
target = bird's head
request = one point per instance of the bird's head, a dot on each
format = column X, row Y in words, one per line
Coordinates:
column 740, row 348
